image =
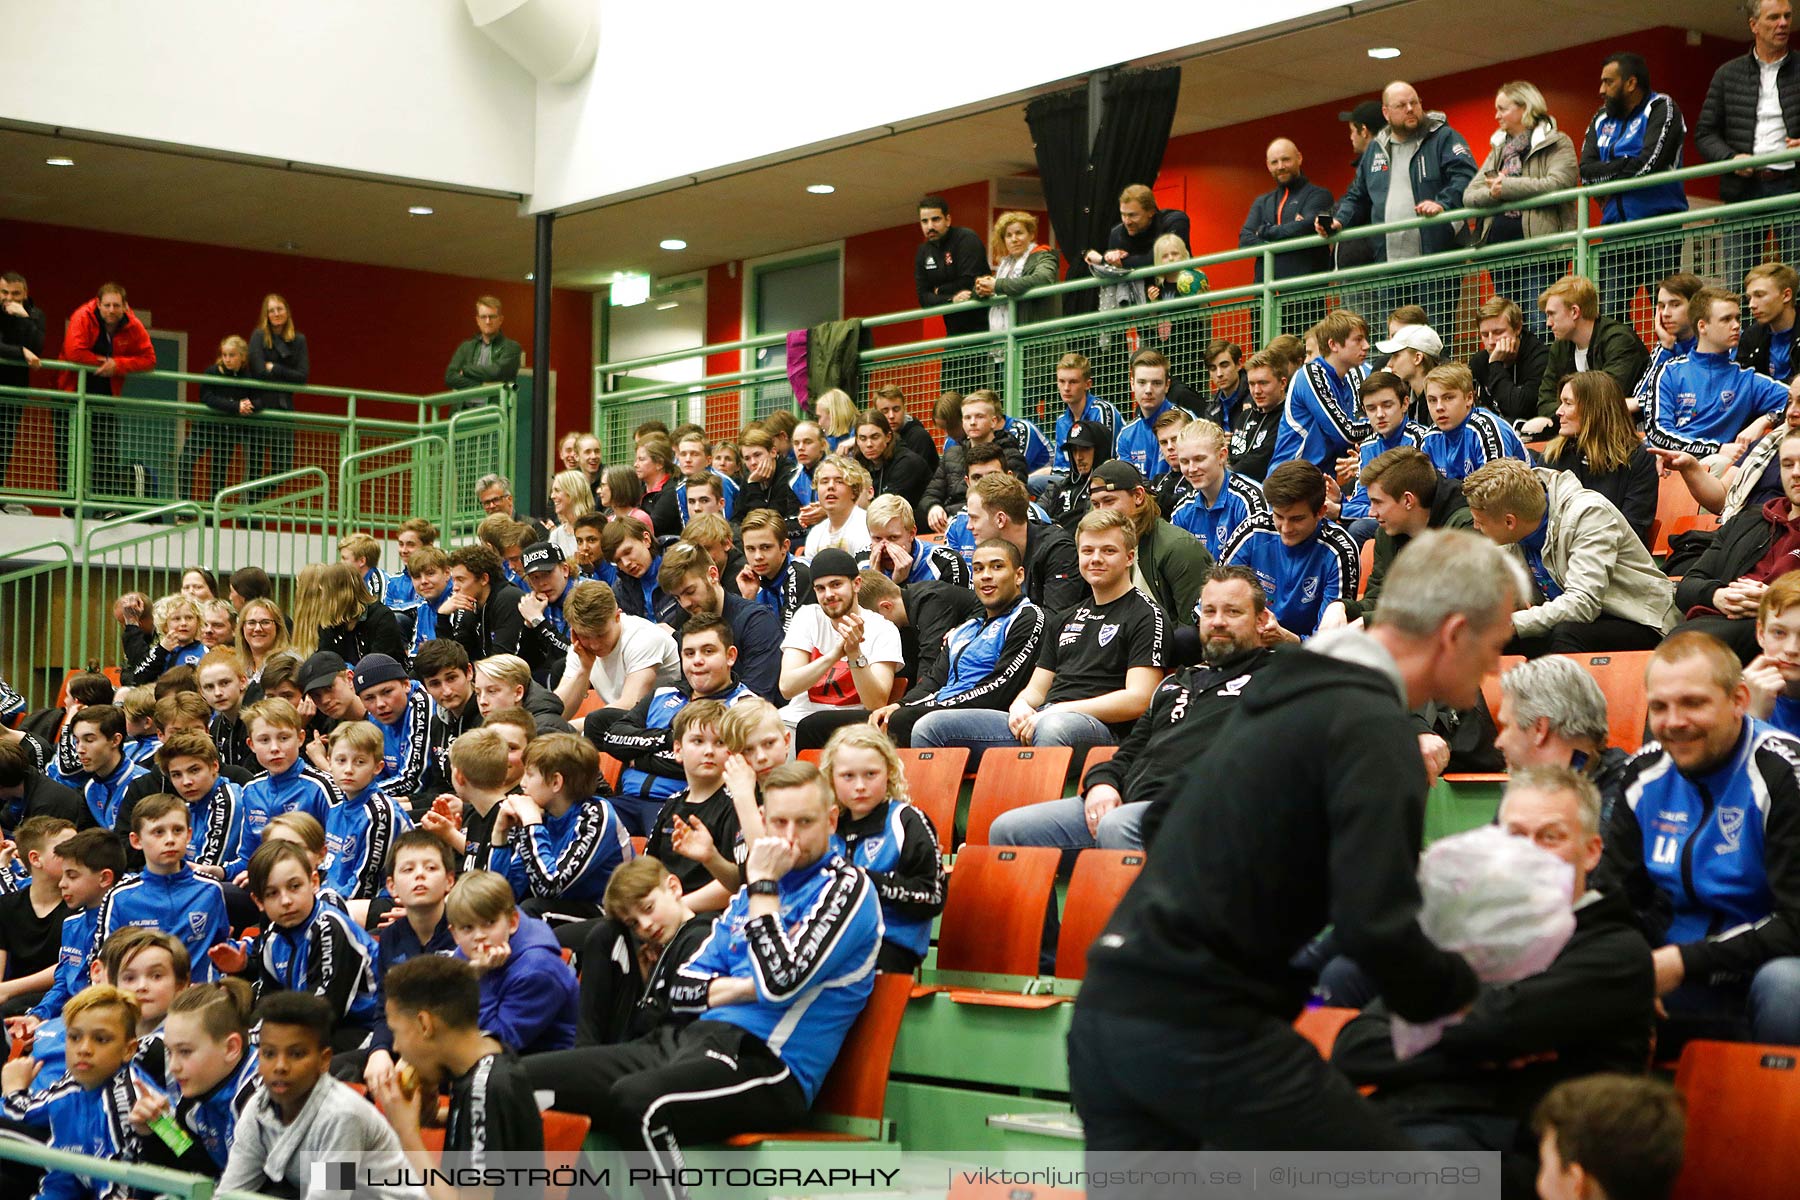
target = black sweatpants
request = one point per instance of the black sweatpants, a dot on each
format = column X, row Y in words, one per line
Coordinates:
column 1142, row 1084
column 1588, row 637
column 701, row 1082
column 815, row 729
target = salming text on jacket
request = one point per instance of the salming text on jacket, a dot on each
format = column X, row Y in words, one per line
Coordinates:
column 1597, row 562
column 406, row 743
column 327, row 954
column 571, row 856
column 1301, row 581
column 189, row 906
column 813, row 965
column 1645, row 141
column 1440, row 170
column 987, row 661
column 1321, row 420
column 897, row 848
column 1705, row 400
column 1137, row 443
column 1205, row 936
column 93, row 1123
column 1239, row 500
column 1660, row 358
column 784, row 594
column 1709, row 859
column 1482, row 437
column 359, row 833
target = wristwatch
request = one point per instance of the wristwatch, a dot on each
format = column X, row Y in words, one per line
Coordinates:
column 859, row 662
column 763, row 887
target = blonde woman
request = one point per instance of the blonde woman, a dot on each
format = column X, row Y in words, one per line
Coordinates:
column 277, row 355
column 1020, row 265
column 1529, row 157
column 570, row 497
column 334, row 611
column 262, row 631
column 836, row 417
column 888, row 838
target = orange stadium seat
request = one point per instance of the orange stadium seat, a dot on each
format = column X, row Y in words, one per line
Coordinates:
column 1100, row 881
column 1095, row 756
column 610, row 770
column 933, row 779
column 1673, row 501
column 1620, row 675
column 994, row 914
column 856, row 1088
column 1743, row 1104
column 1365, row 563
column 1320, row 1026
column 1012, row 777
column 812, row 756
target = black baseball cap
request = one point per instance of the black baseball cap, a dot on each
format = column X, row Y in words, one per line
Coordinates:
column 1115, row 475
column 541, row 556
column 1368, row 114
column 1089, row 436
column 319, row 670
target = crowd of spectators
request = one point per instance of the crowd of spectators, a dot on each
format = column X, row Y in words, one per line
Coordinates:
column 368, row 810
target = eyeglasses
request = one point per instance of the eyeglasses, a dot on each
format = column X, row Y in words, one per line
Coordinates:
column 262, row 624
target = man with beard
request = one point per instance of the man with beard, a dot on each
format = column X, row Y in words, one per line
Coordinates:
column 836, row 655
column 1124, row 799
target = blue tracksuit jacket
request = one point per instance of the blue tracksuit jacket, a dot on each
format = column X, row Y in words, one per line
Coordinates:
column 406, row 744
column 300, row 788
column 1137, row 444
column 82, row 1122
column 1028, row 438
column 813, row 965
column 358, row 835
column 898, row 849
column 1321, row 420
column 217, row 820
column 327, row 954
column 1300, row 580
column 1098, row 412
column 1239, row 500
column 71, row 963
column 211, row 1117
column 1481, row 438
column 1705, row 400
column 571, row 856
column 189, row 906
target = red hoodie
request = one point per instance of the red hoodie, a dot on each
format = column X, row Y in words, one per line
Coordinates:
column 131, row 348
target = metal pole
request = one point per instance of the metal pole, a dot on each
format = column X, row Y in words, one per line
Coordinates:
column 534, row 419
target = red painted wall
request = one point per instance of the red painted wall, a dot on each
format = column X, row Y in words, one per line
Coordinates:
column 380, row 328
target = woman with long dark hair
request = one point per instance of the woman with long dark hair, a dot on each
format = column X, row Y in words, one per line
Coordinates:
column 1598, row 444
column 277, row 355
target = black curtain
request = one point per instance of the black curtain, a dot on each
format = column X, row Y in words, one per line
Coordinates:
column 1081, row 191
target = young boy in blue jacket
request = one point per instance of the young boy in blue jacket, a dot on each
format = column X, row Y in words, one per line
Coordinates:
column 189, row 760
column 558, row 843
column 421, row 870
column 308, row 946
column 287, row 782
column 93, row 860
column 87, row 1111
column 167, row 894
column 529, row 995
column 361, row 830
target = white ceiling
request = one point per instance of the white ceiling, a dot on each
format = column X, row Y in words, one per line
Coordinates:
column 170, row 194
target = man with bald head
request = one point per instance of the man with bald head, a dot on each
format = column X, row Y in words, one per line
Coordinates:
column 1416, row 167
column 1289, row 210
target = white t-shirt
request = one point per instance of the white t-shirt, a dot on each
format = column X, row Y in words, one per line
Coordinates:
column 641, row 645
column 853, row 538
column 811, row 630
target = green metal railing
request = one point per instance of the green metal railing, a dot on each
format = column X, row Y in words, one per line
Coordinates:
column 148, row 1180
column 1624, row 260
column 38, row 638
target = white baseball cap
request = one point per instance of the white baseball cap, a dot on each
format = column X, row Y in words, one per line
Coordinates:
column 1422, row 338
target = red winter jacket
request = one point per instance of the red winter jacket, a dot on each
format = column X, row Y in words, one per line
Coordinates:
column 131, row 346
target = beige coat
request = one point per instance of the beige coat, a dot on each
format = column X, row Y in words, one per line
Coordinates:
column 1601, row 565
column 1550, row 166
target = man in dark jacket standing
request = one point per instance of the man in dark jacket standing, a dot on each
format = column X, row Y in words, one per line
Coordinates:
column 1289, row 210
column 21, row 344
column 1752, row 107
column 488, row 357
column 1183, row 1033
column 946, row 265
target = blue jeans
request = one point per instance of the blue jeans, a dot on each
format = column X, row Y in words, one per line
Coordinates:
column 1063, row 824
column 983, row 727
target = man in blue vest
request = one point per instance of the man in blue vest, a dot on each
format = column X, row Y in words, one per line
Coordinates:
column 1637, row 132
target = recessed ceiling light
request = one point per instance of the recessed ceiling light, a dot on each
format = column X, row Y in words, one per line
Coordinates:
column 59, row 162
column 421, row 210
column 668, row 306
column 1384, row 52
column 820, row 189
column 530, row 276
column 672, row 244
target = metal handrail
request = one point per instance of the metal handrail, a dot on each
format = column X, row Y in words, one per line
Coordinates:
column 1238, row 253
column 266, row 385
